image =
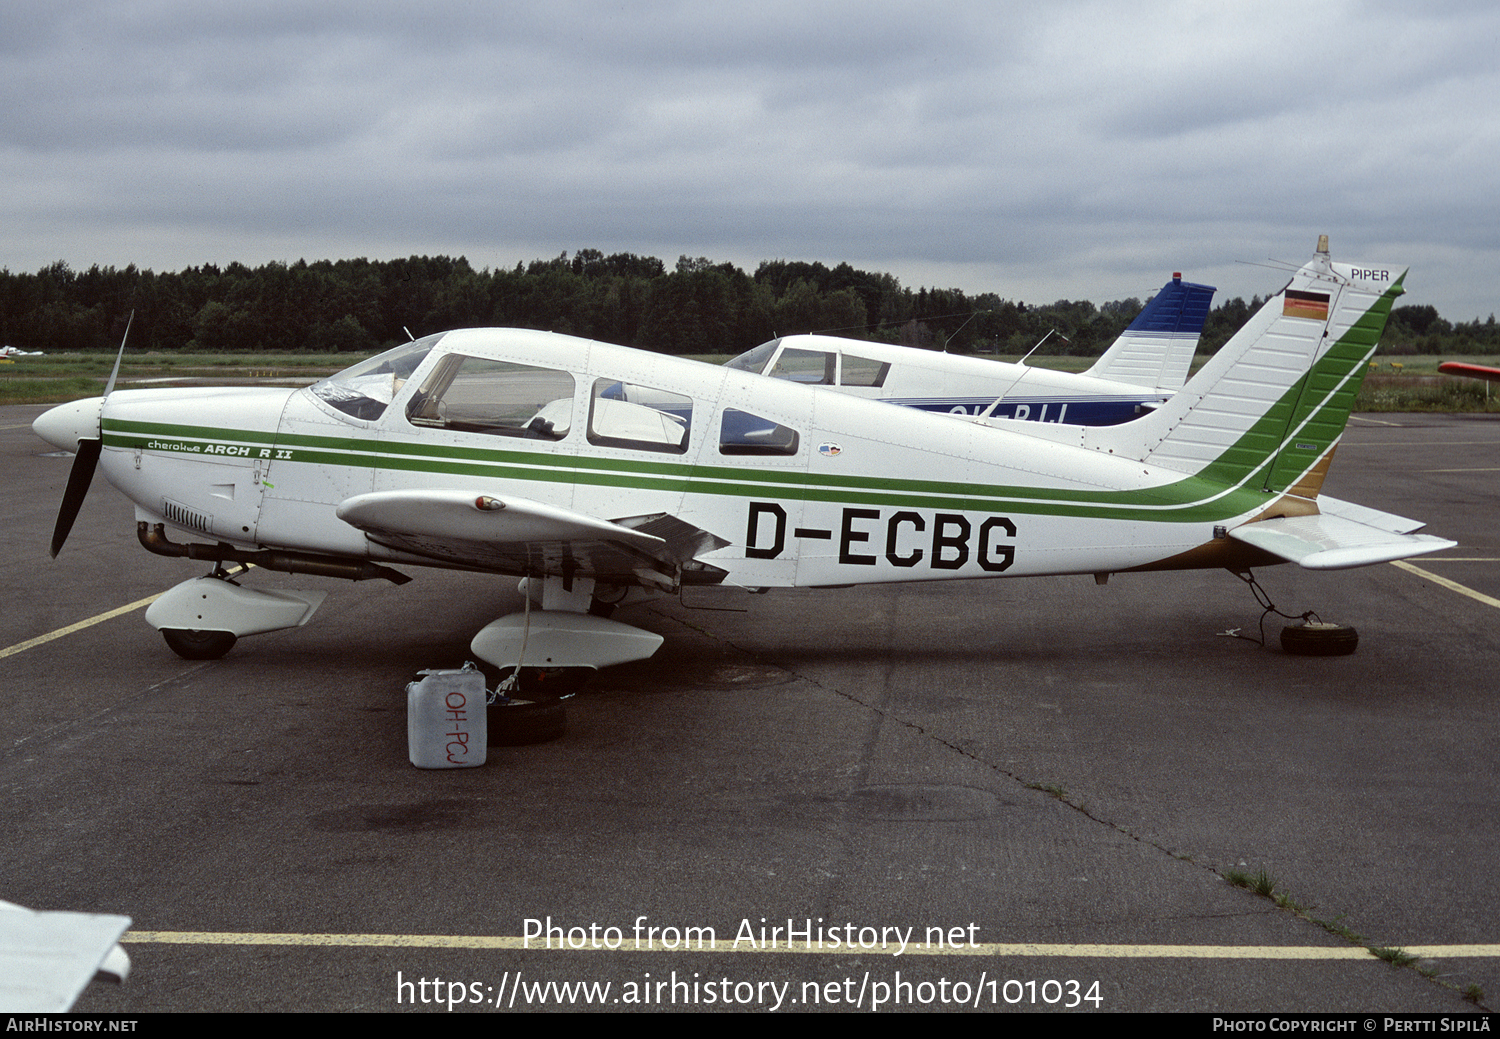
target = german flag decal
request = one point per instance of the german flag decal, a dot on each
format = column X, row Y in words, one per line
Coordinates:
column 1305, row 304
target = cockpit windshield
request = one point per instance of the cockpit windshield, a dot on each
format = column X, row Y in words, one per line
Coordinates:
column 754, row 360
column 364, row 390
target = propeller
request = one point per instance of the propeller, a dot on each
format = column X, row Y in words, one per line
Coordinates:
column 87, row 459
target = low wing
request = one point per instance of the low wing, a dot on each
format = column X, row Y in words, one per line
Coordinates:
column 46, row 959
column 517, row 535
column 1335, row 540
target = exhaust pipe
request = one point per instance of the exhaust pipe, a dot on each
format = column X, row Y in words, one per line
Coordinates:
column 154, row 538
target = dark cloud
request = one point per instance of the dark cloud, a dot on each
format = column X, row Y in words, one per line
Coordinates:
column 1068, row 149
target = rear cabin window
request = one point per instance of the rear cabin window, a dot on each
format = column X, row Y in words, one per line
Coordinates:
column 862, row 371
column 741, row 433
column 498, row 398
column 624, row 414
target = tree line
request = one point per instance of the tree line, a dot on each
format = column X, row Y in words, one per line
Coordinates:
column 697, row 307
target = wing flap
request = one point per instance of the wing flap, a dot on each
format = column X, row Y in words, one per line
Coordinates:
column 1329, row 542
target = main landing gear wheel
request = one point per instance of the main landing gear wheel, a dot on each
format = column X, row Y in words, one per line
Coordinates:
column 199, row 645
column 520, row 723
column 1315, row 639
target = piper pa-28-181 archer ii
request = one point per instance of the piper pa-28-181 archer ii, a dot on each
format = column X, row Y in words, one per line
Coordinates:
column 1144, row 366
column 598, row 472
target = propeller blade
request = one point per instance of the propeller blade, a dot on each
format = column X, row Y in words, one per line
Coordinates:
column 89, row 449
column 109, row 386
column 79, row 478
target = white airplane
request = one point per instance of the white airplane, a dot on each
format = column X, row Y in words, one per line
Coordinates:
column 531, row 454
column 1144, row 366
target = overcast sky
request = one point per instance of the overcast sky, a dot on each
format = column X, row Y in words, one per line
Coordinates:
column 1036, row 150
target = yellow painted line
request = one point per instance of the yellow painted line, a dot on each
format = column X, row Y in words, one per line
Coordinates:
column 1452, row 586
column 625, row 943
column 21, row 647
column 1463, row 559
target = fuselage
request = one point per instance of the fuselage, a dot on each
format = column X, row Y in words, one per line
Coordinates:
column 950, row 384
column 807, row 487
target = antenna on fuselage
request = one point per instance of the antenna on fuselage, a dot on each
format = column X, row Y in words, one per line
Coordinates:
column 960, row 328
column 990, row 411
column 1042, row 340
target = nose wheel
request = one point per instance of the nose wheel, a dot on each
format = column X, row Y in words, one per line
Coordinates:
column 199, row 645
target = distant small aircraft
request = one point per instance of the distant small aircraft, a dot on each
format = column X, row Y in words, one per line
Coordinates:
column 600, row 474
column 11, row 351
column 1472, row 371
column 1144, row 366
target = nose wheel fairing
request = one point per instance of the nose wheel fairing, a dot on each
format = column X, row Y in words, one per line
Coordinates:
column 195, row 615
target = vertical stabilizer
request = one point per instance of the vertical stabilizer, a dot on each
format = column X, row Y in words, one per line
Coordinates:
column 1268, row 408
column 1157, row 349
column 1274, row 401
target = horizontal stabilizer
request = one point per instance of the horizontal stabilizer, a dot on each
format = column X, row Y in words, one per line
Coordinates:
column 1329, row 542
column 1368, row 516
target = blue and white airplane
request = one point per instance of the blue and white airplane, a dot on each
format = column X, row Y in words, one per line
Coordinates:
column 1141, row 369
column 600, row 474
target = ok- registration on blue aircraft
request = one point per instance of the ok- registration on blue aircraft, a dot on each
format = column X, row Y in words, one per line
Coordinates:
column 1141, row 369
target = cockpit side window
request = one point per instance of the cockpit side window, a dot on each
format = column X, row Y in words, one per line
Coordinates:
column 809, row 367
column 623, row 414
column 497, row 398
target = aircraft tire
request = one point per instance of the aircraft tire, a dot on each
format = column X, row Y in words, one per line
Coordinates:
column 520, row 723
column 1319, row 640
column 191, row 644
